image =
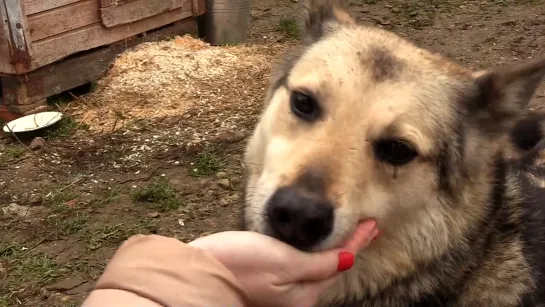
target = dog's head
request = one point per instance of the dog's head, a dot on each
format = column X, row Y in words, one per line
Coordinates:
column 360, row 123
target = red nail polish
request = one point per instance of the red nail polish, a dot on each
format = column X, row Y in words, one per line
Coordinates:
column 346, row 261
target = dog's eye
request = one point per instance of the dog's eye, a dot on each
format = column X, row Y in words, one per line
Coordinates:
column 304, row 106
column 394, row 152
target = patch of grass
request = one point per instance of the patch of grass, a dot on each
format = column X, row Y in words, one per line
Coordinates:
column 289, row 28
column 110, row 195
column 112, row 234
column 11, row 152
column 206, row 164
column 75, row 224
column 25, row 267
column 422, row 13
column 58, row 200
column 59, row 100
column 159, row 195
column 115, row 234
column 93, row 87
column 64, row 225
column 64, row 128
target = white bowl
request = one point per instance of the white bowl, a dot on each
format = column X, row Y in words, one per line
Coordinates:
column 33, row 122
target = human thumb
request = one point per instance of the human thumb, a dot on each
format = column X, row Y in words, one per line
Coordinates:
column 324, row 265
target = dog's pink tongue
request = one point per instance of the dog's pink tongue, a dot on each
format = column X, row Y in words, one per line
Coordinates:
column 363, row 235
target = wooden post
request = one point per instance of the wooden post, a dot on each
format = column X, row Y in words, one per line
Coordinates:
column 199, row 7
column 16, row 34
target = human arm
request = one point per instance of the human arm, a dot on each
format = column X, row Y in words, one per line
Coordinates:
column 156, row 271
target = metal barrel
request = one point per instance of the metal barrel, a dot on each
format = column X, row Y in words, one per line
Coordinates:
column 226, row 21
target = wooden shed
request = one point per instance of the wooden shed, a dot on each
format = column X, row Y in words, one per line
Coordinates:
column 50, row 46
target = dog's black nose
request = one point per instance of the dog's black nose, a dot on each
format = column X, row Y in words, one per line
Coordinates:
column 298, row 218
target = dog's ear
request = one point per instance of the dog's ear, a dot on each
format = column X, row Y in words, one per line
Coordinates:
column 503, row 93
column 323, row 16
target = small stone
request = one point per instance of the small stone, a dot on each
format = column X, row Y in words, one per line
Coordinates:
column 510, row 23
column 14, row 208
column 233, row 198
column 395, row 10
column 153, row 214
column 45, row 294
column 94, row 246
column 35, row 200
column 37, row 144
column 67, row 284
column 224, row 202
column 224, row 183
column 221, row 175
column 231, row 137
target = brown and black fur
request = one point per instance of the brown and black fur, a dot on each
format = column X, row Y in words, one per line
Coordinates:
column 463, row 224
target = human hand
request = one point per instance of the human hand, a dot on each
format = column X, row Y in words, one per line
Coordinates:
column 275, row 274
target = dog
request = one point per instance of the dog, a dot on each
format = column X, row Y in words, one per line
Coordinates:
column 360, row 123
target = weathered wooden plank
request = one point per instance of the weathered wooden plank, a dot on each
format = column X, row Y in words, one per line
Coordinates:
column 5, row 42
column 36, row 6
column 20, row 48
column 58, row 47
column 63, row 19
column 107, row 3
column 137, row 10
column 80, row 69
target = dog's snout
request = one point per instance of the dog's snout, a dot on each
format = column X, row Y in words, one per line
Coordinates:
column 299, row 219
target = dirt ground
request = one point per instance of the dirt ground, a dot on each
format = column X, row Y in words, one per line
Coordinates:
column 156, row 146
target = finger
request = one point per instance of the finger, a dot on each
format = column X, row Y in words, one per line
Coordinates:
column 361, row 237
column 324, row 265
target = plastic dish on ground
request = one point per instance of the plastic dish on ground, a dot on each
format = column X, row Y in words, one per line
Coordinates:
column 33, row 122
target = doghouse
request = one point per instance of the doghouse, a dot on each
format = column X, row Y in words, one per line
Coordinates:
column 51, row 46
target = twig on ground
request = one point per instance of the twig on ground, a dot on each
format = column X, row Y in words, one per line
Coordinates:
column 37, row 244
column 71, row 184
column 70, row 103
column 148, row 177
column 18, row 160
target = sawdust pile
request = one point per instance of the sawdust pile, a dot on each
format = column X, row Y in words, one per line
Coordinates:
column 160, row 79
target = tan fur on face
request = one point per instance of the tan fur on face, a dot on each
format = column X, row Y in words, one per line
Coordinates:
column 359, row 110
column 372, row 85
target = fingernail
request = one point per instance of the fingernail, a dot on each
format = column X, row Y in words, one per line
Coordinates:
column 377, row 234
column 346, row 261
